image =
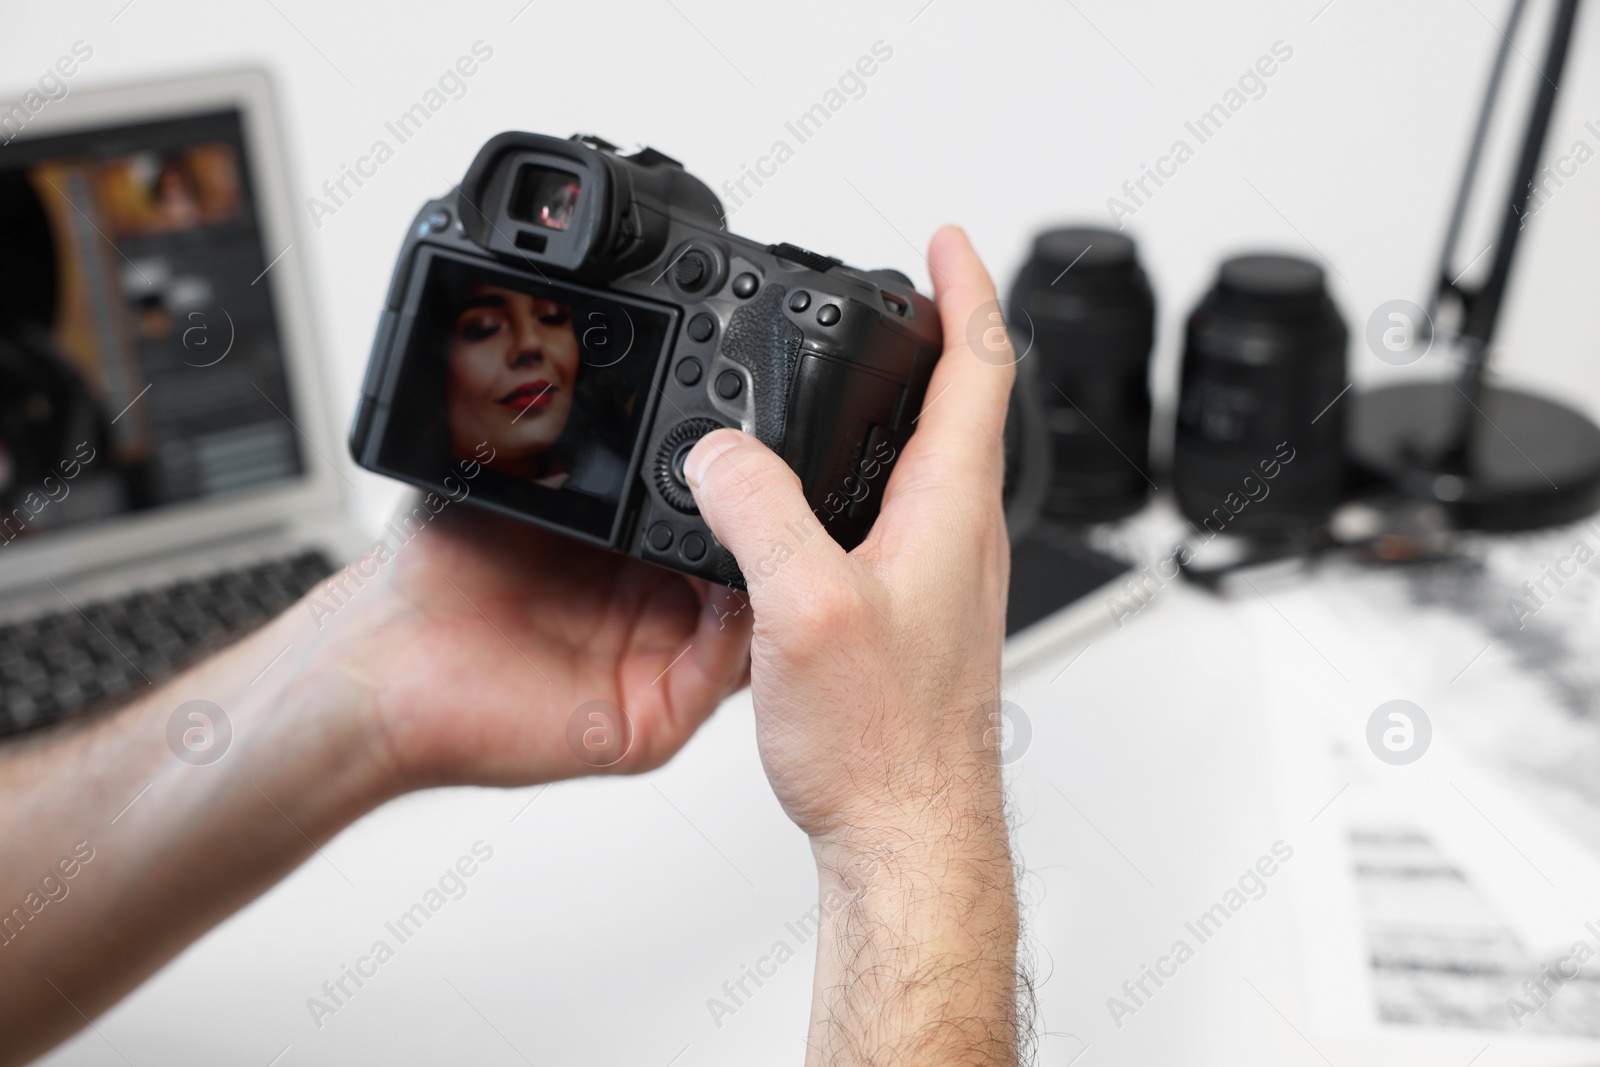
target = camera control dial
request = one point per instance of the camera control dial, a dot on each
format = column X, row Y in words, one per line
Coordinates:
column 674, row 449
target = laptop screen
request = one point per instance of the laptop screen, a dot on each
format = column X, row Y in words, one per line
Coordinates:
column 140, row 359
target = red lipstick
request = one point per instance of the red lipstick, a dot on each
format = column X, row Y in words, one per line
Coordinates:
column 534, row 394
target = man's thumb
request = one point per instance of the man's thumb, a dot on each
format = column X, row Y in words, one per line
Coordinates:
column 752, row 501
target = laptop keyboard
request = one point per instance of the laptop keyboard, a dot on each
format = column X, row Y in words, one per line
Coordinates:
column 56, row 664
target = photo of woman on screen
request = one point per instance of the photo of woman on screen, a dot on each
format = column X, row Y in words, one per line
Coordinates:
column 511, row 381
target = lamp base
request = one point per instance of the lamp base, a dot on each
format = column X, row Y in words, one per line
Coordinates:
column 1528, row 463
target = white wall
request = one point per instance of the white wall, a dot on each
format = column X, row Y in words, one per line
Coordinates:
column 999, row 116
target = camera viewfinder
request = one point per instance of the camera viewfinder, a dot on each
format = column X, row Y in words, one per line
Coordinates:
column 544, row 196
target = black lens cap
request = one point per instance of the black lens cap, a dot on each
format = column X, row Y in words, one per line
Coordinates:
column 1271, row 276
column 1083, row 248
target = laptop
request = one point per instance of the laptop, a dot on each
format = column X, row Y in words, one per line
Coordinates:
column 168, row 472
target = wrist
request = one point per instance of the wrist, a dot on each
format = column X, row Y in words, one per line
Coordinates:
column 917, row 946
column 305, row 719
column 961, row 821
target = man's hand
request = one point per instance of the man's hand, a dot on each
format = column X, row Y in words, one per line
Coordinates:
column 484, row 636
column 875, row 675
column 459, row 656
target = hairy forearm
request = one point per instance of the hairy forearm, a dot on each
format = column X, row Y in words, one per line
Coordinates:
column 917, row 960
column 116, row 853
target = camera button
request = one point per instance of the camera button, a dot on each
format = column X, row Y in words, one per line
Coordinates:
column 670, row 480
column 435, row 222
column 691, row 270
column 729, row 384
column 701, row 327
column 745, row 286
column 659, row 537
column 694, row 547
column 828, row 314
column 800, row 300
column 688, row 371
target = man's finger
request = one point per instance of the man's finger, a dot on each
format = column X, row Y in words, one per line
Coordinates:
column 971, row 386
column 752, row 501
column 957, row 451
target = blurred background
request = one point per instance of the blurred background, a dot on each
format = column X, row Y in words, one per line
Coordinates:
column 613, row 912
column 1002, row 119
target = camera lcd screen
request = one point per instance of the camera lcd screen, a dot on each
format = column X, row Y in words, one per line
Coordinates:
column 539, row 391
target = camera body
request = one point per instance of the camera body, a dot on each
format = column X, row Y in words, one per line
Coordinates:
column 560, row 332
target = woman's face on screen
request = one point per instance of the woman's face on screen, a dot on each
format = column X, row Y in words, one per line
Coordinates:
column 513, row 363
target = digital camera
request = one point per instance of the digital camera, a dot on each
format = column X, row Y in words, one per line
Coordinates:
column 572, row 320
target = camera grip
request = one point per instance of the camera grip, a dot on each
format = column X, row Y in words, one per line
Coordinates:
column 762, row 340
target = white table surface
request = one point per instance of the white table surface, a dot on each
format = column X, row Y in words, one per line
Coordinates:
column 613, row 909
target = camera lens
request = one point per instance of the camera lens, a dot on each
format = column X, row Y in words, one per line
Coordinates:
column 1084, row 304
column 1259, row 445
column 544, row 197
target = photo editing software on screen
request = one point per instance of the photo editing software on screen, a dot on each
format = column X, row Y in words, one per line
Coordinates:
column 138, row 340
